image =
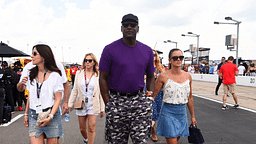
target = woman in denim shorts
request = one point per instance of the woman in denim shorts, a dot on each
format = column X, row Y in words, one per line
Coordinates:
column 45, row 92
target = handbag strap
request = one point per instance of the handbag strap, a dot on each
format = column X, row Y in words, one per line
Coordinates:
column 193, row 126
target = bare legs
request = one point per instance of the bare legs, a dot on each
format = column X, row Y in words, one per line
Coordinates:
column 172, row 140
column 234, row 97
column 91, row 127
column 40, row 140
column 153, row 129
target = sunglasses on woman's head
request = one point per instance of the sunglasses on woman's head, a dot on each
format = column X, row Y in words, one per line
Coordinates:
column 34, row 53
column 88, row 60
column 175, row 58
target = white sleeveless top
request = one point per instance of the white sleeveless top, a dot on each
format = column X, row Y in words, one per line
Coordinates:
column 176, row 93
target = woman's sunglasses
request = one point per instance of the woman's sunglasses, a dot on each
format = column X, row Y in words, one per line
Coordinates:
column 34, row 53
column 88, row 60
column 175, row 58
column 133, row 25
column 155, row 55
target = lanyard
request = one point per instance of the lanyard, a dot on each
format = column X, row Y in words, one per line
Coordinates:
column 39, row 87
column 86, row 84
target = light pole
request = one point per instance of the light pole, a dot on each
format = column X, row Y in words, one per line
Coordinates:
column 55, row 52
column 171, row 42
column 197, row 47
column 236, row 23
column 62, row 56
column 27, row 47
column 69, row 55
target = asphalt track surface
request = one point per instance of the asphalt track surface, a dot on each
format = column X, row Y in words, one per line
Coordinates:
column 233, row 126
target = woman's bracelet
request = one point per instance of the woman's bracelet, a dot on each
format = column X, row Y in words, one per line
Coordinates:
column 51, row 116
column 26, row 114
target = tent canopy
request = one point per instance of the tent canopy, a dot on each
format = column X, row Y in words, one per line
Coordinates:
column 7, row 51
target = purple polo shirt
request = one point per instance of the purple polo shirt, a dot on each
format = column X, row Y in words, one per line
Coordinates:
column 126, row 65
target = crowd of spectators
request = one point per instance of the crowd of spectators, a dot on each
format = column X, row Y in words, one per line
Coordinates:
column 11, row 96
column 206, row 68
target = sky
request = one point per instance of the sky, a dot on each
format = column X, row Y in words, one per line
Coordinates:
column 73, row 28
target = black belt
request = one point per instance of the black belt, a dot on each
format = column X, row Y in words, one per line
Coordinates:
column 45, row 110
column 126, row 94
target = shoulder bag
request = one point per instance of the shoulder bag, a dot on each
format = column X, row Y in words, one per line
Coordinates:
column 79, row 105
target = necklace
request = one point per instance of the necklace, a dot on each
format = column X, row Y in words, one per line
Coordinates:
column 86, row 86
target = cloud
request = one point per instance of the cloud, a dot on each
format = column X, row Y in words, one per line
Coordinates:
column 78, row 27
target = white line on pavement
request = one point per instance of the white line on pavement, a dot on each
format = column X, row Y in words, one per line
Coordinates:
column 240, row 107
column 210, row 99
column 12, row 120
column 222, row 93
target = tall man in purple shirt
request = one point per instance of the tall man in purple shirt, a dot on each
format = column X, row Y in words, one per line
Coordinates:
column 123, row 65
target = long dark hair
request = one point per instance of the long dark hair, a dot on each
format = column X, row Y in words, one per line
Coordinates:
column 49, row 61
column 170, row 55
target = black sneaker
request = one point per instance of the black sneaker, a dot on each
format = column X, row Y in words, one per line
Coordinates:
column 224, row 107
column 236, row 106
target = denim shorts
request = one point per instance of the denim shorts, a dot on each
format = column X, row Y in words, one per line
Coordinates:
column 54, row 130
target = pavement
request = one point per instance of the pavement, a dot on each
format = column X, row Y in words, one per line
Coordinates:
column 233, row 126
column 246, row 95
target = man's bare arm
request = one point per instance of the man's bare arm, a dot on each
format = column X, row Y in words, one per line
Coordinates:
column 150, row 82
column 104, row 89
column 66, row 96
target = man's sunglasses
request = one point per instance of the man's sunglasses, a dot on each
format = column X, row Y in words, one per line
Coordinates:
column 34, row 53
column 88, row 60
column 175, row 58
column 133, row 25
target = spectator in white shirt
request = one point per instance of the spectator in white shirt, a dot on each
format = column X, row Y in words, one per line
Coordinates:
column 45, row 87
column 191, row 69
column 215, row 69
column 241, row 69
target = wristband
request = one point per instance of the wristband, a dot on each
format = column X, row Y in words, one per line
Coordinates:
column 25, row 114
column 51, row 116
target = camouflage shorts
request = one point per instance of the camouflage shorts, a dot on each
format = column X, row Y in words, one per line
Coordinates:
column 128, row 116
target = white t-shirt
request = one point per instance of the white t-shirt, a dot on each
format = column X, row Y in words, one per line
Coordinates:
column 191, row 69
column 30, row 65
column 241, row 69
column 50, row 86
column 215, row 69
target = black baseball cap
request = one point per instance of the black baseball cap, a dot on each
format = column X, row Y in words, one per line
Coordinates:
column 130, row 17
column 4, row 63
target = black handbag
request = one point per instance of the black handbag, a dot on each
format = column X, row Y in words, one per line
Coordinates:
column 196, row 136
